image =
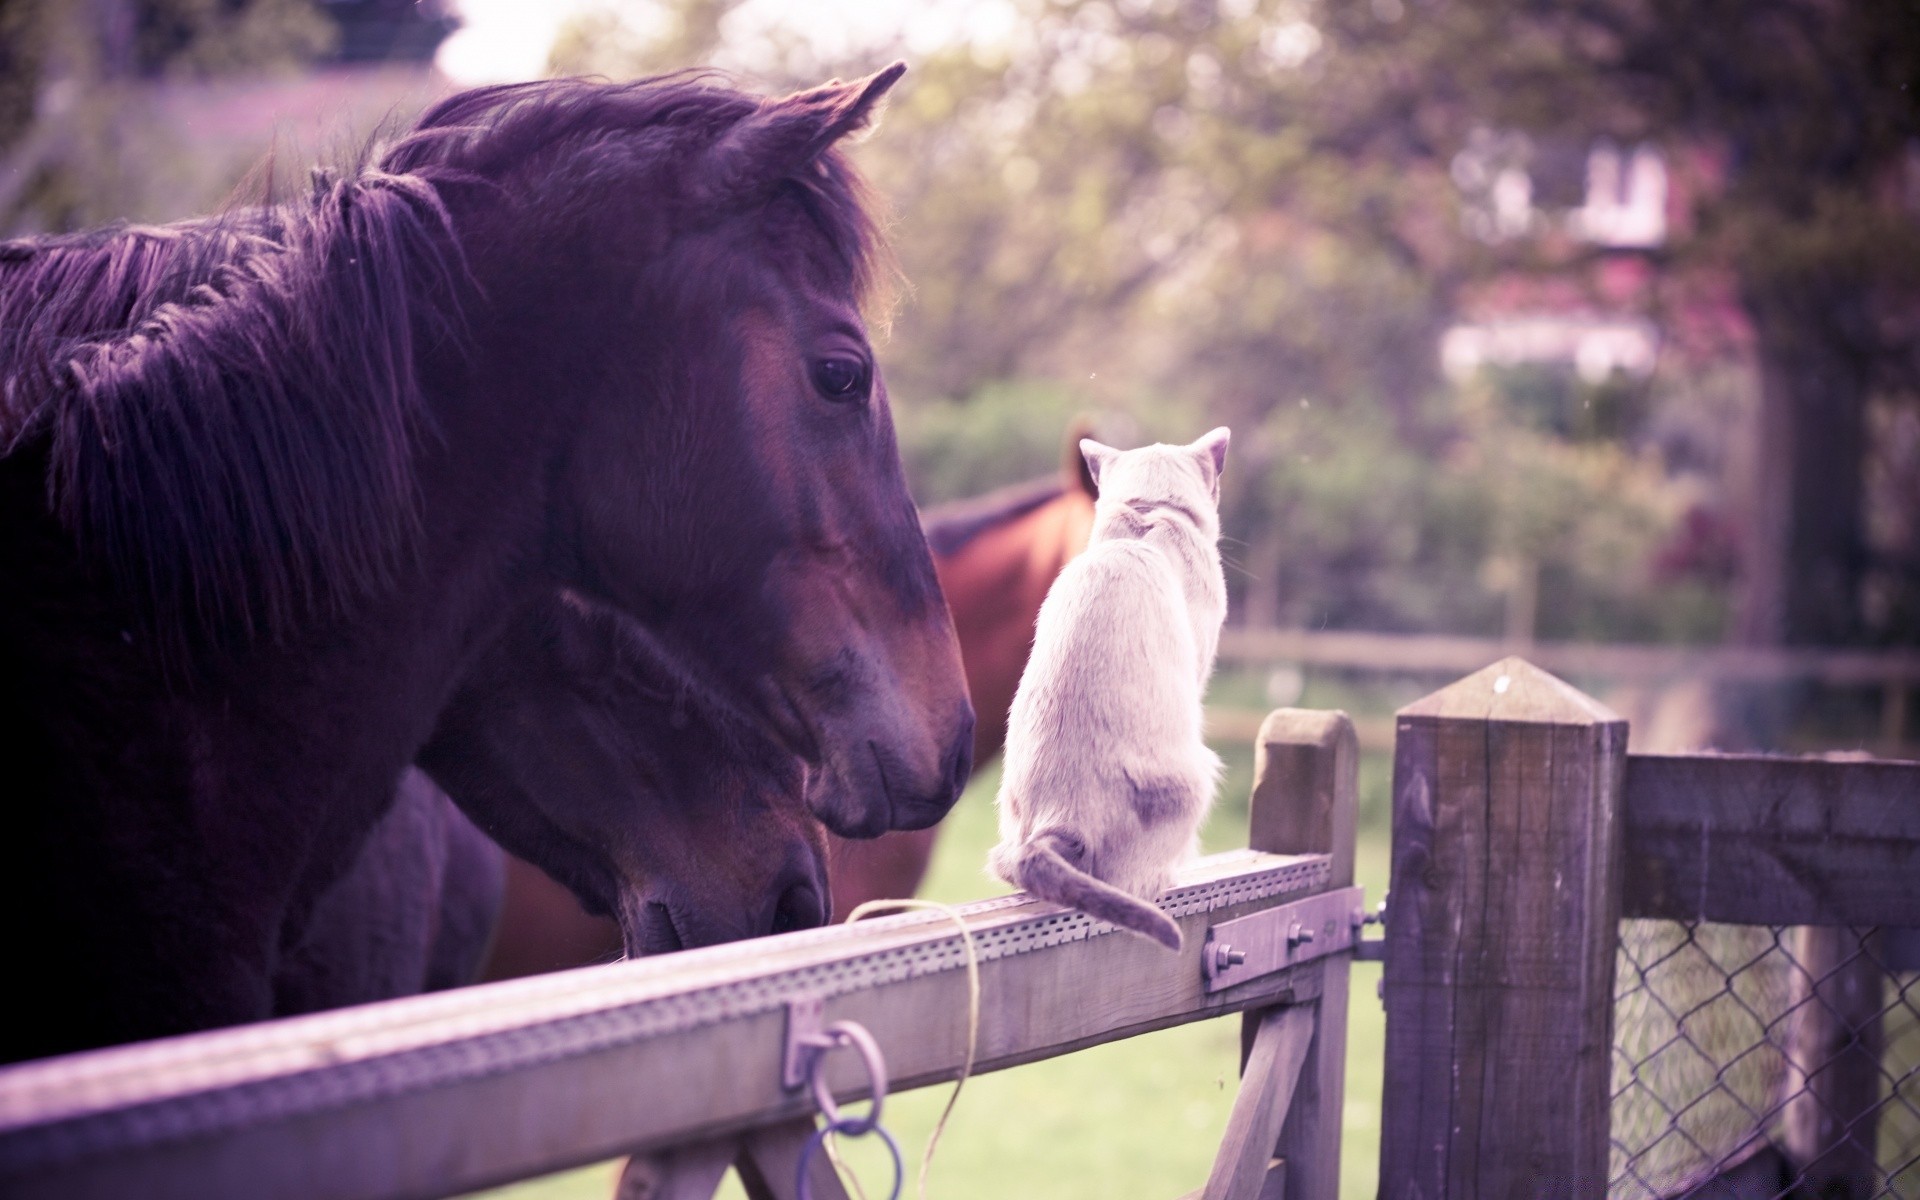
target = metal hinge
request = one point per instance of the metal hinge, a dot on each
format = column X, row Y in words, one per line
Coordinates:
column 1277, row 938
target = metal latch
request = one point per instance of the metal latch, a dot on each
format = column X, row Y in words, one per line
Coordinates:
column 1277, row 938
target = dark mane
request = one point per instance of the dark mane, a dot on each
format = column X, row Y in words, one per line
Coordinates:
column 949, row 527
column 521, row 135
column 230, row 408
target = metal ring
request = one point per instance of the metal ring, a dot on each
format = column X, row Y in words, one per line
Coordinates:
column 803, row 1187
column 852, row 1033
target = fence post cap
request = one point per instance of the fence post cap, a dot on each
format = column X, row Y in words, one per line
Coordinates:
column 1305, row 727
column 1513, row 689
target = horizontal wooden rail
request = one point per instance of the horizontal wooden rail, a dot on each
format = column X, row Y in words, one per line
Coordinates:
column 441, row 1094
column 1763, row 840
column 1449, row 655
column 1241, row 725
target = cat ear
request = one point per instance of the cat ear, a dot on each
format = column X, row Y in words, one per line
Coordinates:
column 1097, row 457
column 1212, row 450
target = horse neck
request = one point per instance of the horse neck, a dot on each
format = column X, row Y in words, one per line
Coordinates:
column 995, row 584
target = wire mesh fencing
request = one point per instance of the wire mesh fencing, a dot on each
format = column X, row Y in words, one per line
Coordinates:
column 1778, row 1062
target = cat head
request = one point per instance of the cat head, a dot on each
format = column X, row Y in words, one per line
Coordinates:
column 1183, row 479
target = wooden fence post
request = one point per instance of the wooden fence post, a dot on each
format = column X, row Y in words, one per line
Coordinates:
column 1502, row 926
column 1833, row 1063
column 1305, row 801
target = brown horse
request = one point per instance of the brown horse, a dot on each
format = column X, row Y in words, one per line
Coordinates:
column 272, row 485
column 575, row 727
column 996, row 555
column 414, row 912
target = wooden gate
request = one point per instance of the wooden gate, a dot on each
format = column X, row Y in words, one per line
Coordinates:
column 679, row 1059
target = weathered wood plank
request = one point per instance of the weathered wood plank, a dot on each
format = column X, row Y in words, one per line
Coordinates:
column 1306, row 800
column 1501, row 933
column 690, row 1172
column 1267, row 1085
column 1833, row 1064
column 1765, row 840
column 446, row 1093
column 770, row 1165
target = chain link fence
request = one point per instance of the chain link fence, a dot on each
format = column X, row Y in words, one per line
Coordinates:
column 1765, row 1062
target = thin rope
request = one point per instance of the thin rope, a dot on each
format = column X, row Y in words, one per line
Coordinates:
column 831, row 1140
column 973, row 1017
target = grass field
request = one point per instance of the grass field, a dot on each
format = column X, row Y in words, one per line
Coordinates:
column 1140, row 1117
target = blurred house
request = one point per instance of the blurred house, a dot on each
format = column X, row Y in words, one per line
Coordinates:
column 1595, row 294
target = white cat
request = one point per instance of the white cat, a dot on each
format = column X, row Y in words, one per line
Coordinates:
column 1107, row 776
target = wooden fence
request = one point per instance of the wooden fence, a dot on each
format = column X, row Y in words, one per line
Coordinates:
column 1523, row 832
column 1895, row 672
column 680, row 1060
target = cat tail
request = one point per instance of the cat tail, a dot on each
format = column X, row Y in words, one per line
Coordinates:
column 1048, row 875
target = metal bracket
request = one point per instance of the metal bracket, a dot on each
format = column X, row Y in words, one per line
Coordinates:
column 1371, row 949
column 1277, row 938
column 804, row 1040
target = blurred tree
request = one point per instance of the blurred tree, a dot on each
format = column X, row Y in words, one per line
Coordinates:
column 72, row 74
column 1246, row 204
column 1810, row 107
column 1192, row 212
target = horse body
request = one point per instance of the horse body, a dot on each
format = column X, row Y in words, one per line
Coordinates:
column 414, row 912
column 182, row 835
column 252, row 540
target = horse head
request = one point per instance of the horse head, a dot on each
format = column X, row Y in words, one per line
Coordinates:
column 726, row 470
column 577, row 744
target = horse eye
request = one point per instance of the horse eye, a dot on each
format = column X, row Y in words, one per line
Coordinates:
column 841, row 378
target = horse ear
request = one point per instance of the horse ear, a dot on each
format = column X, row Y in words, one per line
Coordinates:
column 785, row 135
column 1213, row 447
column 1073, row 464
column 1097, row 457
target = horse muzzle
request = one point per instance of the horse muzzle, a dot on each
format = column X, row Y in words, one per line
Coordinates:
column 661, row 920
column 869, row 788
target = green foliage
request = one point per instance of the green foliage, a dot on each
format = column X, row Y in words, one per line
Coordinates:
column 1009, row 432
column 220, row 37
column 1369, row 531
column 20, row 58
column 73, row 149
column 1180, row 217
column 1553, row 399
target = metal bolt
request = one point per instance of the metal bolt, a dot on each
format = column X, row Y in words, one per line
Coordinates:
column 1225, row 956
column 1298, row 934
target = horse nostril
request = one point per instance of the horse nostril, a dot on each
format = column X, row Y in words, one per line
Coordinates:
column 960, row 765
column 799, row 907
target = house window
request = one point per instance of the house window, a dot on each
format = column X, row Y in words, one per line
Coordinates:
column 1626, row 202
